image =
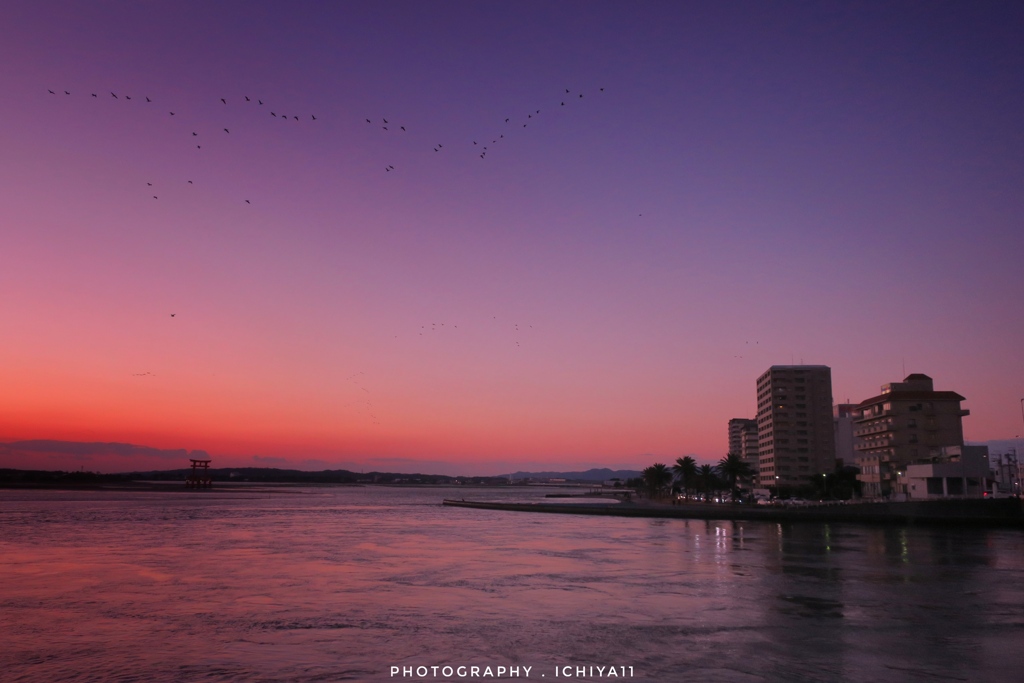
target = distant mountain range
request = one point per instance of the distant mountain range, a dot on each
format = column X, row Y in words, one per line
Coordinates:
column 595, row 474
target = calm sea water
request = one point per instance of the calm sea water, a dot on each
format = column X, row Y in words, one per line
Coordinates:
column 335, row 584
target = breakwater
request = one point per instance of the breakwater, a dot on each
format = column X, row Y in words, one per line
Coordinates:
column 988, row 513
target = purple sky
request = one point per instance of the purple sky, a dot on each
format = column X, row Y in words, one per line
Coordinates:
column 758, row 184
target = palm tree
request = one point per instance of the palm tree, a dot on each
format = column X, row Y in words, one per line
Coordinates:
column 707, row 479
column 685, row 470
column 657, row 477
column 732, row 468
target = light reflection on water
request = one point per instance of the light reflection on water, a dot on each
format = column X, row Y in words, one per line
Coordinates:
column 333, row 584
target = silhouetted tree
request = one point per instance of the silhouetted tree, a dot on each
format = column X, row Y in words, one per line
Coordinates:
column 732, row 468
column 706, row 474
column 657, row 477
column 685, row 470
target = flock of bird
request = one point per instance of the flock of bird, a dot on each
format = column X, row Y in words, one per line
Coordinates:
column 196, row 138
column 480, row 145
column 204, row 133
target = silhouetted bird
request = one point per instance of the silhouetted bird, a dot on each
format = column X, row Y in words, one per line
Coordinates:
column 113, row 95
column 273, row 114
column 369, row 121
column 172, row 315
column 384, row 127
column 602, row 89
column 154, row 196
column 260, row 101
column 94, row 94
column 50, row 91
column 296, row 118
column 172, row 113
column 385, row 120
column 150, row 184
column 506, row 120
column 247, row 201
column 402, row 127
column 190, row 182
column 391, row 167
column 314, row 117
column 563, row 104
column 581, row 95
column 566, row 90
column 66, row 92
column 194, row 133
column 247, row 99
column 226, row 130
column 127, row 97
column 147, row 99
column 223, row 100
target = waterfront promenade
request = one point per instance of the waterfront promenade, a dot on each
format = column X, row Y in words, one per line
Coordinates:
column 989, row 513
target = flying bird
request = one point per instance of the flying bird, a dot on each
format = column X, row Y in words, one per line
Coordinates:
column 314, row 116
column 113, row 95
column 50, row 91
column 194, row 133
column 226, row 130
column 148, row 100
column 402, row 127
column 273, row 114
column 247, row 99
column 66, row 92
column 172, row 113
column 260, row 101
column 127, row 97
column 94, row 94
column 172, row 315
column 223, row 100
column 247, row 201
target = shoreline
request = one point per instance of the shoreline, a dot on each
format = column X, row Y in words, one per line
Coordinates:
column 1005, row 512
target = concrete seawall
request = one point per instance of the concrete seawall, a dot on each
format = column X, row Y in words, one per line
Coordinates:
column 985, row 513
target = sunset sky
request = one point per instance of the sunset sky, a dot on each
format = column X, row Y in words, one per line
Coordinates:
column 727, row 186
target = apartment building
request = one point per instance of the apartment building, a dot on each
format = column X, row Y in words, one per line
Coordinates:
column 903, row 425
column 796, row 433
column 743, row 441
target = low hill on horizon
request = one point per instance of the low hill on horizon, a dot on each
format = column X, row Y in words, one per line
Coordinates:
column 593, row 474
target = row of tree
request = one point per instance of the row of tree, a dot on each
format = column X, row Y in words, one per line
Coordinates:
column 659, row 479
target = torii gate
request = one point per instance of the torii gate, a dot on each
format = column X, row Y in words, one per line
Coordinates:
column 196, row 479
